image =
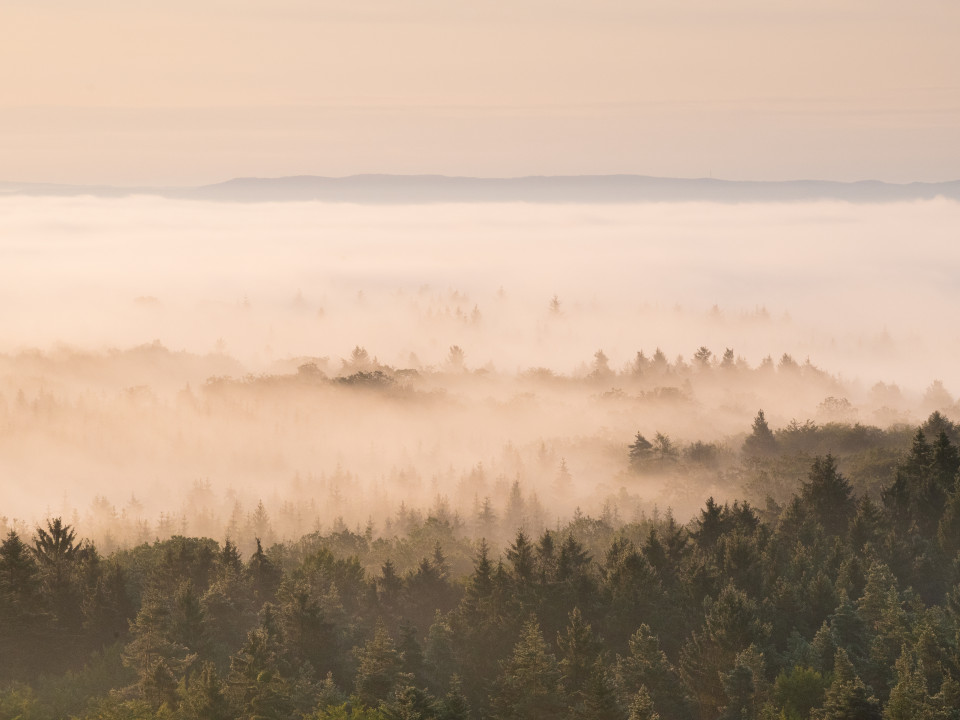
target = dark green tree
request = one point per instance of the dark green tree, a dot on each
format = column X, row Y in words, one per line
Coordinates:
column 520, row 555
column 647, row 668
column 799, row 691
column 598, row 697
column 379, row 664
column 203, row 698
column 529, row 685
column 847, row 698
column 579, row 648
column 641, row 708
column 264, row 576
column 828, row 496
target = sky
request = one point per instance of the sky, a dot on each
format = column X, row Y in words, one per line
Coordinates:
column 185, row 93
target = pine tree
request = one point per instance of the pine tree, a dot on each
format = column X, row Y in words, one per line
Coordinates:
column 56, row 545
column 454, row 705
column 529, row 685
column 412, row 653
column 847, row 698
column 256, row 672
column 23, row 616
column 410, row 703
column 641, row 450
column 731, row 625
column 948, row 531
column 909, row 698
column 389, row 587
column 20, row 597
column 480, row 588
column 264, row 576
column 573, row 562
column 226, row 609
column 642, row 706
column 204, row 699
column 799, row 691
column 152, row 652
column 867, row 526
column 702, row 357
column 599, row 699
column 745, row 686
column 307, row 635
column 546, row 558
column 187, row 626
column 229, row 563
column 58, row 556
column 664, row 450
column 579, row 648
column 647, row 668
column 520, row 555
column 19, row 576
column 710, row 525
column 761, row 441
column 828, row 496
column 158, row 686
column 439, row 659
column 378, row 667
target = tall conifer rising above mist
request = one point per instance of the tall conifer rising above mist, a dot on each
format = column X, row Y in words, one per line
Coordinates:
column 761, row 441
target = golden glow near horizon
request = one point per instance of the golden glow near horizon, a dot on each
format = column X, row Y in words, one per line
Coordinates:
column 171, row 93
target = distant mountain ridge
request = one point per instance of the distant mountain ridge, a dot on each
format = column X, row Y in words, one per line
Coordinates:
column 411, row 189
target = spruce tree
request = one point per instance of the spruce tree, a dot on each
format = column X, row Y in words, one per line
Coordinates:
column 761, row 441
column 828, row 496
column 529, row 685
column 641, row 450
column 204, row 698
column 847, row 698
column 378, row 667
column 642, row 706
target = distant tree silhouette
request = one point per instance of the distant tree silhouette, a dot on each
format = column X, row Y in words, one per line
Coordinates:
column 641, row 450
column 702, row 356
column 761, row 441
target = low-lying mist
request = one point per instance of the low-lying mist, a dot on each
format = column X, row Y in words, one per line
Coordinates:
column 220, row 369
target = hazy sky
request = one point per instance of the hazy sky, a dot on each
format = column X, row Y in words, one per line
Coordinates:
column 176, row 92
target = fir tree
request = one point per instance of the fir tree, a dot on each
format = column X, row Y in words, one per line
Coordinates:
column 529, row 684
column 847, row 698
column 828, row 496
column 378, row 667
column 641, row 450
column 204, row 699
column 642, row 707
column 761, row 441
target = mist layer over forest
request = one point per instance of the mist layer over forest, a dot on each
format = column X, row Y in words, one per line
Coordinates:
column 183, row 367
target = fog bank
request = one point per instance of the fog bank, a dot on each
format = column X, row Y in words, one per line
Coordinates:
column 153, row 347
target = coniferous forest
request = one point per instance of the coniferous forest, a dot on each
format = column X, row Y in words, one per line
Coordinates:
column 834, row 603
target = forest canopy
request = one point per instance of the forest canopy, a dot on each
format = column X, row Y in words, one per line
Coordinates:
column 835, row 603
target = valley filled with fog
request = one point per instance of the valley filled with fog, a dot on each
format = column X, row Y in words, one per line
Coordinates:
column 177, row 367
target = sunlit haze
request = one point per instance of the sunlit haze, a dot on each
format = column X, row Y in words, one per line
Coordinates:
column 150, row 344
column 190, row 93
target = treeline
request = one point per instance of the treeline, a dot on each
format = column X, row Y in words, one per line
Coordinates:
column 834, row 606
column 765, row 464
